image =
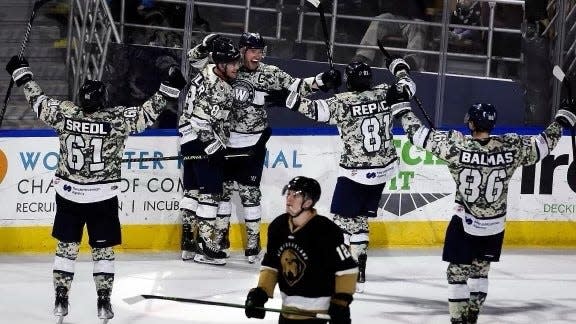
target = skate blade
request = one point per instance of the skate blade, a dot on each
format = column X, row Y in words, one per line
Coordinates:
column 188, row 255
column 203, row 259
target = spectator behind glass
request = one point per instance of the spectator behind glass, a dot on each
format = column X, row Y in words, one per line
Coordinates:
column 414, row 34
column 467, row 12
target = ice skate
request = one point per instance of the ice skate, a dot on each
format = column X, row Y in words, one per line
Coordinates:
column 209, row 254
column 361, row 279
column 252, row 251
column 105, row 312
column 61, row 304
column 188, row 244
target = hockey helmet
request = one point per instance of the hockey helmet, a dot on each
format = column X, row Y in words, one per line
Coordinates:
column 358, row 76
column 308, row 187
column 224, row 51
column 251, row 40
column 92, row 95
column 482, row 115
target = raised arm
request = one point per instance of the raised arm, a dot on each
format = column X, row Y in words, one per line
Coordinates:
column 538, row 147
column 47, row 109
column 439, row 143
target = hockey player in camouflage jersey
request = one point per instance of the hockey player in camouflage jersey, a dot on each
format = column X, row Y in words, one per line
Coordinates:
column 482, row 166
column 255, row 85
column 204, row 131
column 368, row 159
column 314, row 275
column 87, row 180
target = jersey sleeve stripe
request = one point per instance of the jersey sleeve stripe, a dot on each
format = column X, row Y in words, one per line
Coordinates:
column 347, row 271
column 542, row 146
column 322, row 111
column 421, row 136
column 37, row 107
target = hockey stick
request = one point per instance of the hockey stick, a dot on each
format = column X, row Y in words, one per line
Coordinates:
column 184, row 158
column 561, row 76
column 37, row 5
column 418, row 102
column 320, row 8
column 139, row 298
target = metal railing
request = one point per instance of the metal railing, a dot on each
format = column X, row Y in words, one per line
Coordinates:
column 562, row 46
column 90, row 29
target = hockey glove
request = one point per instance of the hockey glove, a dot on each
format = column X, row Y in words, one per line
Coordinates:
column 207, row 42
column 339, row 309
column 405, row 83
column 331, row 79
column 277, row 98
column 398, row 99
column 257, row 297
column 174, row 82
column 566, row 115
column 19, row 70
column 396, row 65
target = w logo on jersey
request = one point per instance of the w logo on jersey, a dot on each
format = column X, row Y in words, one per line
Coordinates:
column 243, row 93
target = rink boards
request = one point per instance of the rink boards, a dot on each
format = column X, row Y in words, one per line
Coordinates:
column 414, row 208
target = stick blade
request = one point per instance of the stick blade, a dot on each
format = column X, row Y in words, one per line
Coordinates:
column 134, row 300
column 558, row 73
column 315, row 3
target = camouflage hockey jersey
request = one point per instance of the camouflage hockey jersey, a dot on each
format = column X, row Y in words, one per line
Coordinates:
column 249, row 117
column 364, row 121
column 482, row 169
column 91, row 145
column 207, row 108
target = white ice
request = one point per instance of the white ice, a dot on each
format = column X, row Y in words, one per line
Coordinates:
column 403, row 286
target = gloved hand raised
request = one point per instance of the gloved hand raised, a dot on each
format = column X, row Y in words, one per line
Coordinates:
column 339, row 309
column 398, row 98
column 257, row 297
column 396, row 65
column 331, row 79
column 405, row 83
column 19, row 70
column 566, row 115
column 208, row 41
column 172, row 84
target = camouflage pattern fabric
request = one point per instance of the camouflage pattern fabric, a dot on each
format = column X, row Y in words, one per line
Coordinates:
column 92, row 145
column 103, row 280
column 250, row 90
column 352, row 225
column 365, row 123
column 482, row 169
column 68, row 251
column 459, row 274
column 208, row 103
column 249, row 195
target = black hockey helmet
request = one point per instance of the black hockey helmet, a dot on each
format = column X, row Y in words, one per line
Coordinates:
column 92, row 95
column 358, row 76
column 251, row 40
column 224, row 51
column 308, row 187
column 483, row 116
